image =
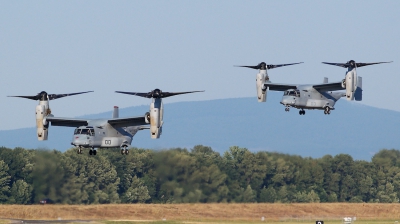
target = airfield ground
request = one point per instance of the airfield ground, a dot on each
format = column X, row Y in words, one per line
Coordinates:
column 206, row 213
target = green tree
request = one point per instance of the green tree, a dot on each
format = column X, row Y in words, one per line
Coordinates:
column 21, row 193
column 47, row 176
column 136, row 193
column 4, row 182
column 268, row 195
column 249, row 195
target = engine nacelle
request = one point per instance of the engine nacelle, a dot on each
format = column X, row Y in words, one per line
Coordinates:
column 351, row 84
column 156, row 117
column 147, row 117
column 42, row 127
column 261, row 78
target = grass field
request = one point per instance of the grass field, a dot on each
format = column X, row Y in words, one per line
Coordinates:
column 207, row 213
column 244, row 222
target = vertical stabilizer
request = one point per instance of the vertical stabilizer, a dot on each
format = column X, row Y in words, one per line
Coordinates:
column 115, row 112
column 358, row 92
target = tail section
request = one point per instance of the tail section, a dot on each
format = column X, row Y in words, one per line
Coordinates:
column 358, row 92
column 115, row 112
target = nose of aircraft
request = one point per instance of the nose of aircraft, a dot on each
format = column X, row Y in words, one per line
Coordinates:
column 287, row 100
column 81, row 140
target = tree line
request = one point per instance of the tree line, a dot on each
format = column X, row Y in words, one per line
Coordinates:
column 198, row 175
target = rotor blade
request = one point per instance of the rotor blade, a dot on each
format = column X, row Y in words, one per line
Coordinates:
column 57, row 96
column 246, row 66
column 344, row 65
column 168, row 94
column 27, row 97
column 277, row 66
column 374, row 63
column 146, row 95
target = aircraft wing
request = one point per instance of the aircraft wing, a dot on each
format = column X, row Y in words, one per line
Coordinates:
column 328, row 86
column 279, row 87
column 127, row 121
column 66, row 122
column 134, row 129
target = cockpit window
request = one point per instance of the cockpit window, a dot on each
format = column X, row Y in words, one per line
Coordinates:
column 84, row 131
column 292, row 92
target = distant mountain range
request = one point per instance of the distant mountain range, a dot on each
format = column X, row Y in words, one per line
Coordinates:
column 352, row 128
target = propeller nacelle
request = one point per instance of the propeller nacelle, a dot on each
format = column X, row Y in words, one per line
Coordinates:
column 43, row 110
column 351, row 82
column 156, row 112
column 262, row 77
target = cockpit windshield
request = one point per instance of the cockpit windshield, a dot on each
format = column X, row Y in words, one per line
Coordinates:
column 84, row 131
column 292, row 92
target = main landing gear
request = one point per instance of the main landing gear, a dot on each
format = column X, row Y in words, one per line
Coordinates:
column 93, row 152
column 287, row 109
column 124, row 151
column 327, row 110
column 302, row 112
column 79, row 150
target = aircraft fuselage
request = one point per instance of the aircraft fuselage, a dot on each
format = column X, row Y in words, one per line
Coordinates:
column 105, row 136
column 306, row 97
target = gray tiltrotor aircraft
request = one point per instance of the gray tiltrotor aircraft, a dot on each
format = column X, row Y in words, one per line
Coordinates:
column 96, row 133
column 318, row 96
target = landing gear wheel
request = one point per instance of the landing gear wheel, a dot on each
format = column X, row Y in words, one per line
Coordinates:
column 302, row 112
column 287, row 109
column 90, row 152
column 94, row 152
column 124, row 151
column 327, row 110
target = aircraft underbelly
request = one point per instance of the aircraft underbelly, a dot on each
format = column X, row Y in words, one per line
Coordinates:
column 316, row 103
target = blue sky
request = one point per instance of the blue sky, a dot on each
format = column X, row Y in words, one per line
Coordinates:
column 72, row 46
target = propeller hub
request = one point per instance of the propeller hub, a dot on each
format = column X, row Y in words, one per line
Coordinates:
column 262, row 66
column 42, row 96
column 156, row 93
